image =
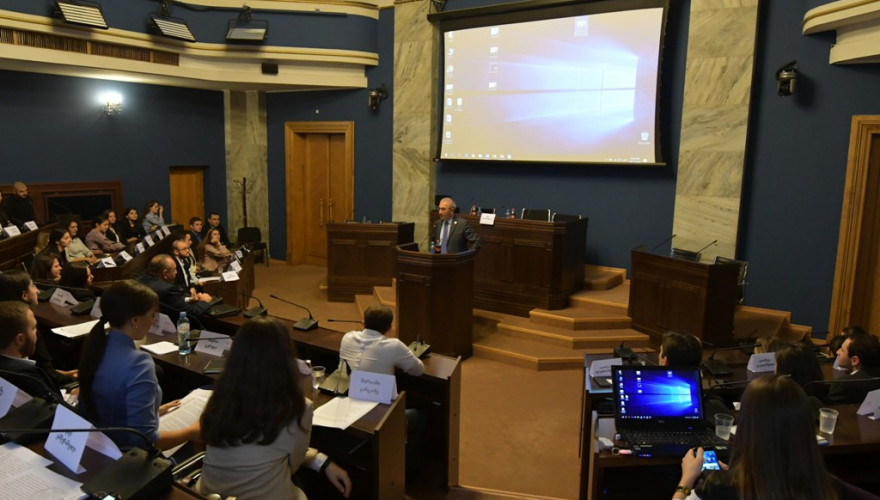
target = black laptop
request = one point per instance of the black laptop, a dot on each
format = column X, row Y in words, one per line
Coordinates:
column 658, row 411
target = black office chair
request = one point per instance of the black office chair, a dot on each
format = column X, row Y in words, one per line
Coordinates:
column 565, row 217
column 253, row 238
column 741, row 276
column 535, row 214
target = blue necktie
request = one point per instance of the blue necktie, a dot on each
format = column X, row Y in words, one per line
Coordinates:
column 443, row 237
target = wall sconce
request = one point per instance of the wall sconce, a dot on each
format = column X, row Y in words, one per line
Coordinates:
column 244, row 29
column 376, row 96
column 786, row 79
column 112, row 102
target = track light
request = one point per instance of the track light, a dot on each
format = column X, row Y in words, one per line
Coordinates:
column 244, row 29
column 82, row 12
column 172, row 27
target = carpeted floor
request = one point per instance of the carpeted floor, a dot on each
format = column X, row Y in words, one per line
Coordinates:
column 519, row 428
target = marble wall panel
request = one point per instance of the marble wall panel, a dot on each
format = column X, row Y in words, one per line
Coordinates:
column 246, row 157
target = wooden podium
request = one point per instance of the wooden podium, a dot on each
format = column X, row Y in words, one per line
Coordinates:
column 674, row 294
column 435, row 295
column 361, row 256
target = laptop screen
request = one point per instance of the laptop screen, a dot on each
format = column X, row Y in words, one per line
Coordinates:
column 651, row 394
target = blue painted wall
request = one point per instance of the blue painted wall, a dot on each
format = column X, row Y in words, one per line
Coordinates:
column 54, row 130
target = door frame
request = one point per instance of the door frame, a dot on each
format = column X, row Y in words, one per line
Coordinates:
column 294, row 168
column 865, row 133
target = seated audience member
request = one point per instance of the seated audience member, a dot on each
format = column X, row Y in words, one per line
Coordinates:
column 153, row 216
column 42, row 242
column 248, row 455
column 860, row 356
column 20, row 206
column 129, row 228
column 371, row 351
column 4, row 217
column 185, row 264
column 118, row 386
column 77, row 279
column 18, row 341
column 799, row 362
column 213, row 254
column 77, row 251
column 97, row 239
column 195, row 230
column 18, row 285
column 111, row 234
column 46, row 268
column 774, row 454
column 837, row 341
column 680, row 350
column 161, row 273
column 57, row 244
column 214, row 223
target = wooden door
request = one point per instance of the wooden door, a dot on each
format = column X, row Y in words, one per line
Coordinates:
column 320, row 185
column 187, row 194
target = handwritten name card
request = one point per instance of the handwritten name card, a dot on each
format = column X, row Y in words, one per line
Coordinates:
column 376, row 387
column 762, row 363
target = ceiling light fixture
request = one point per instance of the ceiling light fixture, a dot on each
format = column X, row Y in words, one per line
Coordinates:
column 245, row 29
column 82, row 12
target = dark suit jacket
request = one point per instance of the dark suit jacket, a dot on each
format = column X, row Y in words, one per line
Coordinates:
column 184, row 280
column 19, row 210
column 223, row 237
column 197, row 237
column 173, row 297
column 851, row 393
column 30, row 378
column 461, row 235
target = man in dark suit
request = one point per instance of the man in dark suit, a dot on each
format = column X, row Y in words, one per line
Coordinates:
column 860, row 354
column 195, row 230
column 18, row 340
column 183, row 260
column 214, row 223
column 20, row 206
column 453, row 234
column 161, row 273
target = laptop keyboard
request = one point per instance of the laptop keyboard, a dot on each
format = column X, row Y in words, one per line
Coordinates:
column 702, row 437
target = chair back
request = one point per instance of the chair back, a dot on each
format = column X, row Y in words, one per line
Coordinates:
column 249, row 235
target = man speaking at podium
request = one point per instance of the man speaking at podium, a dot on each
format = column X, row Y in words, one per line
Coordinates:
column 453, row 234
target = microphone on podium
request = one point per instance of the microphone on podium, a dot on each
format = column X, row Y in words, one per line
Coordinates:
column 304, row 324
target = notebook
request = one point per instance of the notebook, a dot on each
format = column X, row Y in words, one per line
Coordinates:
column 658, row 411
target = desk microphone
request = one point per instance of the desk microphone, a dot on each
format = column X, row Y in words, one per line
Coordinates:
column 256, row 311
column 726, row 385
column 304, row 324
column 625, row 353
column 707, row 246
column 718, row 368
column 873, row 381
column 667, row 240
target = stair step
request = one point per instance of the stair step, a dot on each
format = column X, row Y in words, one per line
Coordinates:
column 615, row 297
column 387, row 295
column 603, row 278
column 593, row 317
column 530, row 354
column 365, row 301
column 574, row 339
column 756, row 322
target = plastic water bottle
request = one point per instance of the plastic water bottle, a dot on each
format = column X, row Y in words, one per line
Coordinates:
column 183, row 347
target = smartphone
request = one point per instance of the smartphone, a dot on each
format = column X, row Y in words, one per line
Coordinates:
column 710, row 460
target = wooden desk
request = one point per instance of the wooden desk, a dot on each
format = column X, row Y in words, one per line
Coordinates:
column 14, row 250
column 236, row 293
column 524, row 264
column 361, row 256
column 138, row 264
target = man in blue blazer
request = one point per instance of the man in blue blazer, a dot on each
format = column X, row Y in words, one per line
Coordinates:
column 453, row 234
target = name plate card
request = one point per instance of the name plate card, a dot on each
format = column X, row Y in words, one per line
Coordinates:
column 235, row 266
column 107, row 262
column 61, row 297
column 376, row 387
column 139, row 248
column 870, row 406
column 601, row 368
column 762, row 363
column 96, row 309
column 487, row 219
column 149, row 240
column 229, row 276
column 213, row 346
column 125, row 256
column 11, row 231
column 7, row 396
column 31, row 225
column 239, row 254
column 68, row 447
column 166, row 230
column 163, row 325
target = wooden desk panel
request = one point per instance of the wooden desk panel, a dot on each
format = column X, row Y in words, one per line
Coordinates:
column 361, row 256
column 14, row 250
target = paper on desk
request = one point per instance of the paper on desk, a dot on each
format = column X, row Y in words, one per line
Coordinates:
column 160, row 348
column 74, row 331
column 209, row 279
column 341, row 412
column 191, row 407
column 213, row 345
column 25, row 476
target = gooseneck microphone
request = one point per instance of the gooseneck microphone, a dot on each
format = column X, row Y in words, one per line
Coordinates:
column 257, row 310
column 718, row 368
column 304, row 324
column 667, row 240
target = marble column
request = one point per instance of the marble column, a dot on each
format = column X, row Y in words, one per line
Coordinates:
column 415, row 63
column 720, row 58
column 246, row 158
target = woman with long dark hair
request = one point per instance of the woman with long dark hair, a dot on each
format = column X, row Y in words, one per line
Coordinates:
column 46, row 268
column 118, row 386
column 77, row 251
column 212, row 253
column 774, row 451
column 153, row 216
column 129, row 228
column 57, row 244
column 257, row 423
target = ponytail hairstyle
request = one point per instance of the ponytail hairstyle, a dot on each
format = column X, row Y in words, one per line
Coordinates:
column 122, row 301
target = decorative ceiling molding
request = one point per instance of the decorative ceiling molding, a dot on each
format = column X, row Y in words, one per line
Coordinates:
column 857, row 24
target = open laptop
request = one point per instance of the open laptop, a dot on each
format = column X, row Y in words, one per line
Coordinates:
column 658, row 411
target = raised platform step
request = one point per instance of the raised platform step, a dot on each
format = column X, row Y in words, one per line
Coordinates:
column 365, row 301
column 616, row 297
column 586, row 317
column 387, row 295
column 574, row 339
column 527, row 353
column 603, row 278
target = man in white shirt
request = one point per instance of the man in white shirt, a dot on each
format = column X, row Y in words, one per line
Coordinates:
column 371, row 351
